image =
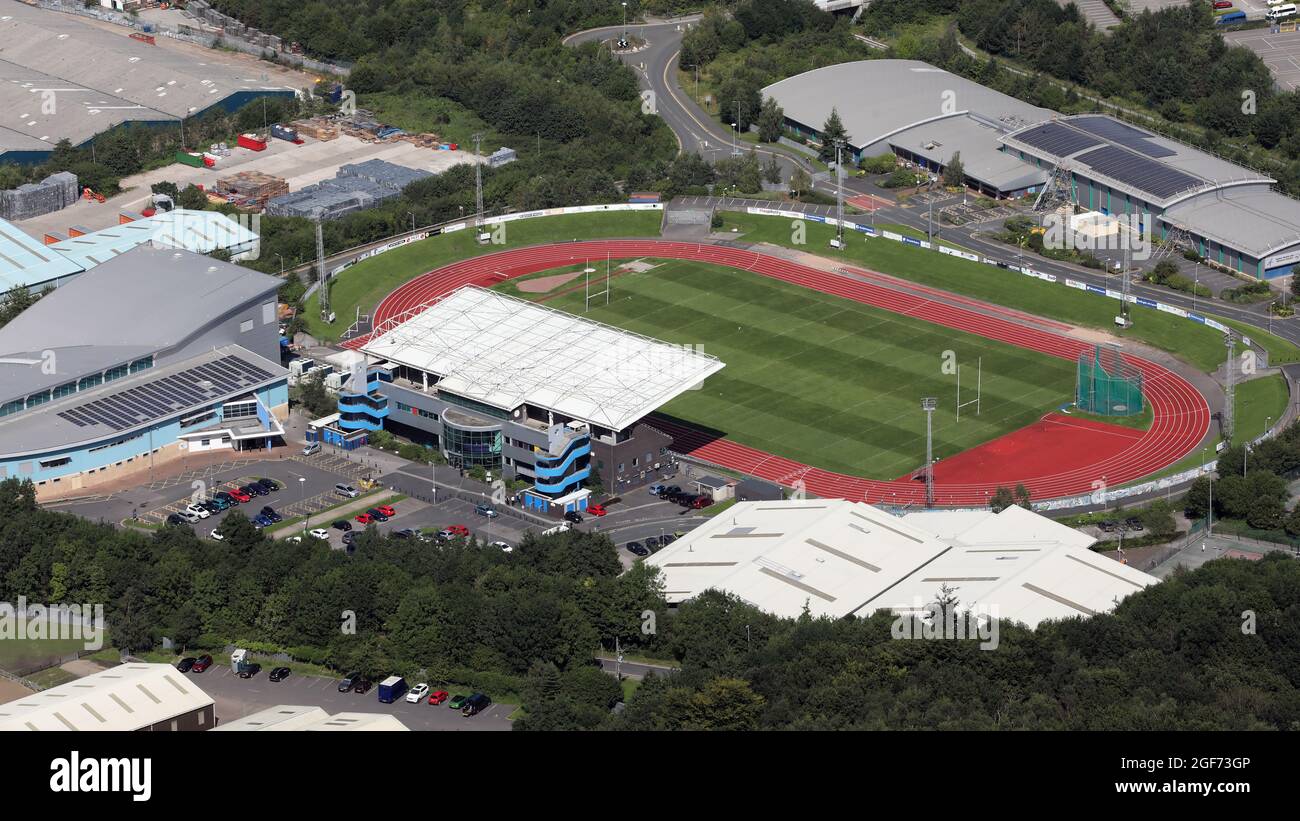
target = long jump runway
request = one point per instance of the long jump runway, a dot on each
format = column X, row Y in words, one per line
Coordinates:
column 1057, row 457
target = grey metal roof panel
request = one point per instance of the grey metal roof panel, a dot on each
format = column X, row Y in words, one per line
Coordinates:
column 877, row 98
column 981, row 154
column 1253, row 219
column 120, row 407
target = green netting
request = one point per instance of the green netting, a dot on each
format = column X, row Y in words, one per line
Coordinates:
column 1107, row 385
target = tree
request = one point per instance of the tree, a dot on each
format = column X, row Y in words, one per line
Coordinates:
column 831, row 132
column 1002, row 499
column 954, row 173
column 192, row 198
column 800, row 182
column 724, row 704
column 771, row 121
column 1022, row 496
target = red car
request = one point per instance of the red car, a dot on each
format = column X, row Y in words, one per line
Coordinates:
column 239, row 494
column 365, row 518
column 438, row 697
column 1222, row 4
column 701, row 502
column 458, row 530
column 596, row 510
column 202, row 663
column 387, row 510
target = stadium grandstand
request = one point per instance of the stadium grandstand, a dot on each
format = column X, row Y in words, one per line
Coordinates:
column 527, row 392
column 66, row 77
column 1229, row 214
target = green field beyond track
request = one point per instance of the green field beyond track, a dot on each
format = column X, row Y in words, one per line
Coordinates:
column 822, row 379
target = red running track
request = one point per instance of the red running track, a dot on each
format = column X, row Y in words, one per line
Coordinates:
column 1181, row 415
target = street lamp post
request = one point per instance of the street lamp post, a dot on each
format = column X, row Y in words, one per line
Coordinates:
column 624, row 40
column 302, row 497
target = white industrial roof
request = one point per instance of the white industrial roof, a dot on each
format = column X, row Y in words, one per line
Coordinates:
column 839, row 558
column 506, row 352
column 126, row 697
column 201, row 232
column 302, row 718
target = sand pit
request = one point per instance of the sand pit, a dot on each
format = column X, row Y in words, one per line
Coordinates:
column 544, row 285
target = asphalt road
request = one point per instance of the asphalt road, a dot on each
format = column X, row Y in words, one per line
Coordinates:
column 236, row 698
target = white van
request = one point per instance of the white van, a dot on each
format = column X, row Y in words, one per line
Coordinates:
column 1278, row 12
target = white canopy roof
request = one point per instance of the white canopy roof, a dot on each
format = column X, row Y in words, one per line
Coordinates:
column 506, row 352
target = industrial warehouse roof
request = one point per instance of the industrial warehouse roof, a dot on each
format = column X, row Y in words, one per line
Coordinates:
column 981, row 156
column 1133, row 160
column 199, row 231
column 99, row 77
column 878, row 98
column 839, row 558
column 123, row 407
column 127, row 697
column 1254, row 219
column 506, row 352
column 25, row 262
column 297, row 718
column 139, row 302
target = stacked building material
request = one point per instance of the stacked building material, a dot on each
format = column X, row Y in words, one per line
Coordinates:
column 355, row 187
column 317, row 128
column 252, row 187
column 33, row 199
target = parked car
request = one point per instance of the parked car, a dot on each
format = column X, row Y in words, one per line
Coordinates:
column 1107, row 526
column 349, row 537
column 671, row 489
column 320, row 533
column 1222, row 4
column 348, row 682
column 269, row 484
column 387, row 510
column 186, row 664
column 262, row 520
column 216, row 535
column 637, row 549
column 655, row 490
column 651, row 542
column 251, row 670
column 311, row 449
column 1134, row 523
column 666, row 540
column 198, row 510
column 240, row 495
column 210, row 506
column 254, row 490
column 227, row 498
column 596, row 510
column 342, row 524
column 377, row 515
column 404, row 533
column 701, row 502
column 475, row 704
column 486, row 510
column 362, row 686
column 417, row 693
column 190, row 517
column 280, row 674
column 457, row 701
column 453, row 532
column 438, row 697
column 175, row 519
column 573, row 516
column 220, row 502
column 269, row 512
column 202, row 663
column 364, row 518
column 343, row 489
column 504, row 547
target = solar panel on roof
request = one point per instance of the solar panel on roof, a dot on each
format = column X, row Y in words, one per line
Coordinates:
column 1057, row 139
column 1142, row 173
column 1122, row 134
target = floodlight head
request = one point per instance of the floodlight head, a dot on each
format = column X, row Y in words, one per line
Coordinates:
column 929, row 403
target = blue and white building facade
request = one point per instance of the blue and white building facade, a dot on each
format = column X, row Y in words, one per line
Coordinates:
column 147, row 357
column 528, row 393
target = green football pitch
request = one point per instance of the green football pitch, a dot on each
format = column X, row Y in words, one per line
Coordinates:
column 822, row 379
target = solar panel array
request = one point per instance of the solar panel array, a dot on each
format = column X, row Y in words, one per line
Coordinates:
column 166, row 396
column 1121, row 134
column 1057, row 139
column 1142, row 173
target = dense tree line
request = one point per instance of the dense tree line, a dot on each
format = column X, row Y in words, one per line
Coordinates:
column 1252, row 484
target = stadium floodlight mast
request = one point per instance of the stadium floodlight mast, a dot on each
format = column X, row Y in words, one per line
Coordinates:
column 839, row 194
column 928, row 404
column 1229, row 388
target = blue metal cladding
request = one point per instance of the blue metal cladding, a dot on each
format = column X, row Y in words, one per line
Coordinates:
column 565, row 485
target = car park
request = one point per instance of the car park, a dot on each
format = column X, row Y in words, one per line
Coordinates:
column 197, row 509
column 280, row 674
column 377, row 515
column 202, row 663
column 348, row 682
column 637, row 549
column 342, row 524
column 438, row 697
column 486, row 510
column 250, row 671
column 457, row 701
column 417, row 693
column 185, row 664
column 364, row 518
column 597, row 510
column 573, row 516
column 320, row 533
